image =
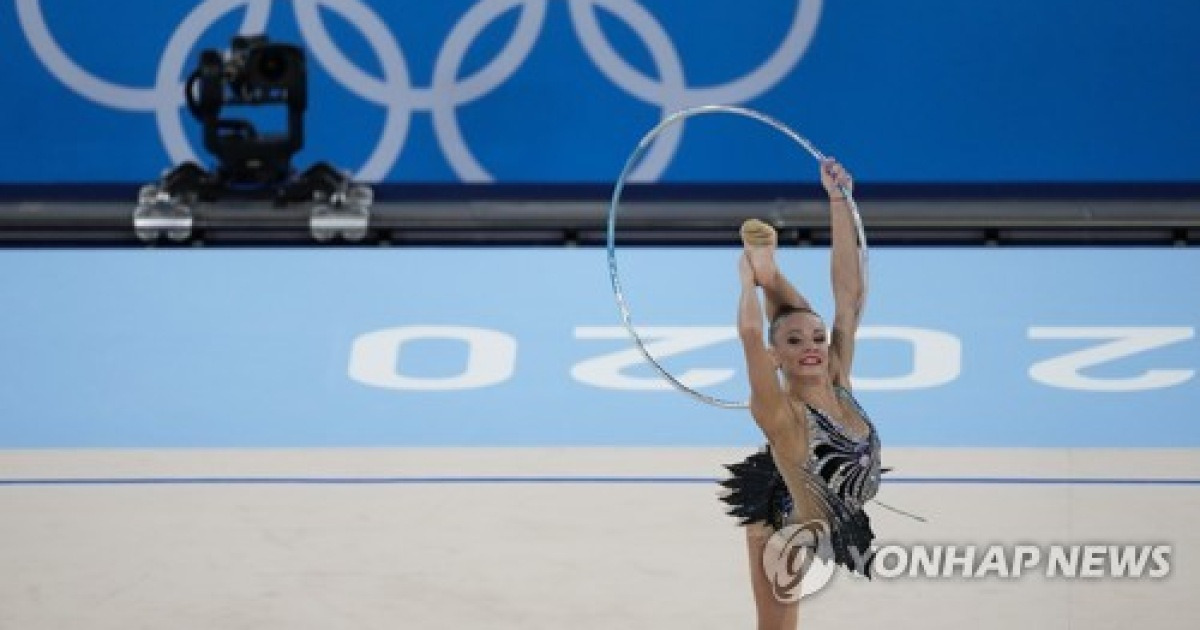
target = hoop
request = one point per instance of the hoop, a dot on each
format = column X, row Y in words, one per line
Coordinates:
column 615, row 203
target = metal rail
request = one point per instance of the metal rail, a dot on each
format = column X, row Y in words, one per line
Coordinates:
column 650, row 222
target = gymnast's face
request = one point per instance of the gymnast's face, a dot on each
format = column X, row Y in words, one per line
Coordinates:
column 801, row 345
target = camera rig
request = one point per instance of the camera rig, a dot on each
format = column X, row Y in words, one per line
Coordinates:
column 251, row 165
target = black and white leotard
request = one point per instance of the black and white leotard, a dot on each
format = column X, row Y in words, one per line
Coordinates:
column 842, row 473
column 849, row 465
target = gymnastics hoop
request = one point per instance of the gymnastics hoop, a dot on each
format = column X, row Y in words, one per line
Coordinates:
column 615, row 203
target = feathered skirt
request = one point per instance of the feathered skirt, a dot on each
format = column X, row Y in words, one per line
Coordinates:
column 755, row 493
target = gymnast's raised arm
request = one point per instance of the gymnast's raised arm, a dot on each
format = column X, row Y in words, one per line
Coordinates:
column 849, row 292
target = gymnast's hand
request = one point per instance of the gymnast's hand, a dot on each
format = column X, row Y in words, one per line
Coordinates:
column 833, row 176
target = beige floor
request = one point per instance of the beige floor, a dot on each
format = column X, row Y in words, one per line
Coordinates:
column 546, row 555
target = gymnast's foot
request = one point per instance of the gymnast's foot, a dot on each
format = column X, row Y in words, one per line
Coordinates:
column 760, row 241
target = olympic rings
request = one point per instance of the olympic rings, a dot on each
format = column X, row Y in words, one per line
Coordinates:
column 451, row 86
column 614, row 205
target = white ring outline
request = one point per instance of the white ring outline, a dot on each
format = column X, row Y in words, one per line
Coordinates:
column 673, row 94
column 391, row 57
column 454, row 50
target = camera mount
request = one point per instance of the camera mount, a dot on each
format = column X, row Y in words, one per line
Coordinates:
column 251, row 165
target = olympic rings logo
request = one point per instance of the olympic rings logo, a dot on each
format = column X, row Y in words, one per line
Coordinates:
column 395, row 92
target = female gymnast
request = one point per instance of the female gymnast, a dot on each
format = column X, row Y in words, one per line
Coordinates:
column 821, row 462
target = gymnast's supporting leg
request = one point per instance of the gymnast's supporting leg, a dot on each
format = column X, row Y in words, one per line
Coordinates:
column 772, row 613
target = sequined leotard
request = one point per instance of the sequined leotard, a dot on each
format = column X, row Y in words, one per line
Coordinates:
column 842, row 474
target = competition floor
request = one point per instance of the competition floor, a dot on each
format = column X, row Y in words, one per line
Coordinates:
column 550, row 538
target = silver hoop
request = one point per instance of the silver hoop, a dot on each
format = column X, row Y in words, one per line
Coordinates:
column 615, row 203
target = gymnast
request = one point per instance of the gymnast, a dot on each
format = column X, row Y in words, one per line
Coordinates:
column 821, row 462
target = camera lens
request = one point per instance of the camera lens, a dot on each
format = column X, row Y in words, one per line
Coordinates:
column 273, row 65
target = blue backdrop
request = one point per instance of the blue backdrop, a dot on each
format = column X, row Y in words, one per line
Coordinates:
column 129, row 348
column 937, row 91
